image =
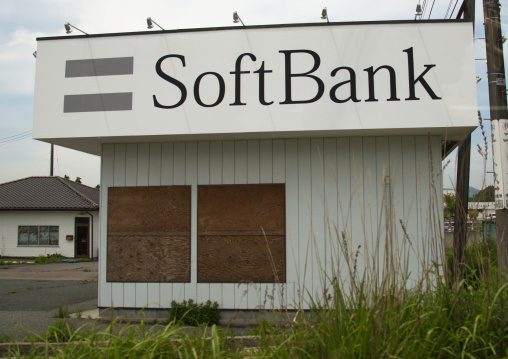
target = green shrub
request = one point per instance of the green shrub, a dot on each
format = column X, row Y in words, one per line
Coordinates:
column 50, row 258
column 190, row 313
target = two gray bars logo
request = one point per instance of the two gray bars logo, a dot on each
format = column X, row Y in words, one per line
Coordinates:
column 117, row 101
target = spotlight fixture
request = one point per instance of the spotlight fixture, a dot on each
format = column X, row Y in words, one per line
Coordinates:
column 478, row 79
column 324, row 15
column 150, row 23
column 35, row 54
column 69, row 30
column 236, row 18
column 418, row 11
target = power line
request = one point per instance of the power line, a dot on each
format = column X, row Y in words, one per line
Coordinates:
column 19, row 134
column 432, row 7
column 447, row 10
column 454, row 8
column 424, row 6
column 12, row 140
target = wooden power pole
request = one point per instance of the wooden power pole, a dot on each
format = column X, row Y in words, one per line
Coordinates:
column 499, row 117
column 462, row 184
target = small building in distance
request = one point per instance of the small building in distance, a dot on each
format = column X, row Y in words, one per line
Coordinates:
column 48, row 215
column 487, row 210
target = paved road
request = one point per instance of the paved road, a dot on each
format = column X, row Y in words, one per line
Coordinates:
column 31, row 294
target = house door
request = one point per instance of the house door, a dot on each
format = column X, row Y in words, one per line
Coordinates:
column 82, row 236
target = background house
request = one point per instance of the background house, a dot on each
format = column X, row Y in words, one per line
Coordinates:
column 46, row 215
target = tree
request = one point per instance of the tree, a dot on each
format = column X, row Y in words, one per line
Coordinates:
column 78, row 180
column 449, row 206
column 473, row 214
column 66, row 177
column 98, row 186
column 485, row 195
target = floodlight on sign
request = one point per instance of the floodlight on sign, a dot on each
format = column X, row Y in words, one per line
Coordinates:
column 150, row 23
column 324, row 15
column 68, row 29
column 418, row 11
column 237, row 18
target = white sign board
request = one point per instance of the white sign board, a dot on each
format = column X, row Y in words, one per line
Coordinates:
column 258, row 82
column 500, row 158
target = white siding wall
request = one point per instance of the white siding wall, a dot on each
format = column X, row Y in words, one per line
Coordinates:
column 338, row 191
column 10, row 220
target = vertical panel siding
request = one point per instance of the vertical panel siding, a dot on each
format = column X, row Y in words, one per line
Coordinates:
column 382, row 183
column 253, row 176
column 191, row 178
column 292, row 219
column 355, row 262
column 437, row 201
column 216, row 178
column 228, row 177
column 131, row 169
column 142, row 180
column 203, row 178
column 276, row 295
column 107, row 162
column 167, row 167
column 344, row 220
column 119, row 180
column 241, row 290
column 179, row 166
column 317, row 253
column 304, row 196
column 340, row 210
column 397, row 199
column 371, row 219
column 410, row 213
column 154, row 179
column 331, row 197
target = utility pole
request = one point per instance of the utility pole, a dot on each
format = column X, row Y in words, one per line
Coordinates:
column 462, row 184
column 499, row 123
column 51, row 162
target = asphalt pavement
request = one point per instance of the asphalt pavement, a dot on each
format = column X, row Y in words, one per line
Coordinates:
column 30, row 295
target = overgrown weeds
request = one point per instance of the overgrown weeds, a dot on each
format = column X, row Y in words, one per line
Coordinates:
column 443, row 322
column 413, row 323
column 50, row 258
column 62, row 311
column 189, row 312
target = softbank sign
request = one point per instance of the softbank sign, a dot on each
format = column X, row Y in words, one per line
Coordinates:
column 350, row 83
column 412, row 77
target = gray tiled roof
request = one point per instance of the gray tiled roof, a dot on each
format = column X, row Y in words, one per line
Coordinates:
column 47, row 193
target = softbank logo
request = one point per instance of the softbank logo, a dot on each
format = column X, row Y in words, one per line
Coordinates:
column 117, row 101
column 416, row 81
column 417, row 85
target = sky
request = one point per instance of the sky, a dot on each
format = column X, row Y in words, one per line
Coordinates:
column 22, row 21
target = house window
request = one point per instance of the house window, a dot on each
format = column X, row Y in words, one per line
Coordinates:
column 38, row 235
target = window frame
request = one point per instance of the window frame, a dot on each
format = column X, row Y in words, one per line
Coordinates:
column 48, row 232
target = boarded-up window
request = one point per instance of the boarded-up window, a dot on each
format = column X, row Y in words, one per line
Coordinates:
column 241, row 234
column 149, row 234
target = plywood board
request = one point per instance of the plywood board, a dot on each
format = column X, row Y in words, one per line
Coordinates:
column 134, row 258
column 149, row 210
column 149, row 234
column 241, row 234
column 229, row 209
column 241, row 259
